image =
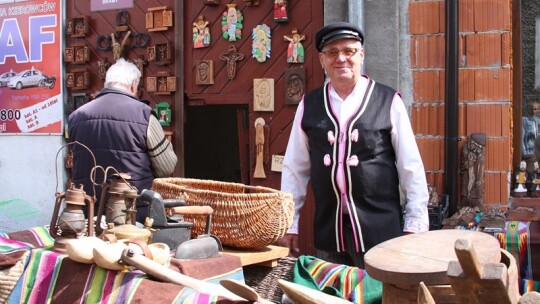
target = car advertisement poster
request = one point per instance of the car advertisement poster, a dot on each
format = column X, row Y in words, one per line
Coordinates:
column 31, row 67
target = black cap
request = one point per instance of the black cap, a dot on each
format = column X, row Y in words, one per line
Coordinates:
column 335, row 31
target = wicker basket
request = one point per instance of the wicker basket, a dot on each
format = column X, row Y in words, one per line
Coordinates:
column 244, row 216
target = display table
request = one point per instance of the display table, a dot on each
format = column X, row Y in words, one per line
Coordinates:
column 26, row 262
column 402, row 263
column 267, row 256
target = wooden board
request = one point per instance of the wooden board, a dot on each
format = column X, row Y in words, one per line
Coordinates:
column 267, row 256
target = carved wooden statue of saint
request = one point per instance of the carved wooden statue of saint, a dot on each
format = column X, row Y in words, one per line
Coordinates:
column 259, row 143
column 472, row 171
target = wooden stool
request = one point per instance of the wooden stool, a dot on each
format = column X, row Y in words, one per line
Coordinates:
column 402, row 263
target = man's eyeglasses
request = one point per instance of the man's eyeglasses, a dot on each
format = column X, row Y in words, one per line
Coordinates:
column 348, row 52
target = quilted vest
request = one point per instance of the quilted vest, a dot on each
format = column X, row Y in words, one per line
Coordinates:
column 113, row 126
column 370, row 200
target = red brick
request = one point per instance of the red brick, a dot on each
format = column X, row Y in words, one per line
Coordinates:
column 427, row 51
column 466, row 84
column 506, row 45
column 492, row 84
column 483, row 50
column 466, row 15
column 424, row 17
column 492, row 15
column 427, row 86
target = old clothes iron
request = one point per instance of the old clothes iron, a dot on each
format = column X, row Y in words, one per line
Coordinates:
column 171, row 230
column 165, row 218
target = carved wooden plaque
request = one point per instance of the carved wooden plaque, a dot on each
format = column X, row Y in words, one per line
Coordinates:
column 151, row 84
column 204, row 72
column 158, row 19
column 78, row 79
column 295, row 84
column 77, row 27
column 81, row 54
column 263, row 94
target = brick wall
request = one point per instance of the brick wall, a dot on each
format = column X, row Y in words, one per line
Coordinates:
column 484, row 87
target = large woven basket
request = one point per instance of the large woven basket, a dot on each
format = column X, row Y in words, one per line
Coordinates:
column 244, row 216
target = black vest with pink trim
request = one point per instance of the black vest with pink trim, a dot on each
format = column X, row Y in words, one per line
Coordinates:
column 370, row 198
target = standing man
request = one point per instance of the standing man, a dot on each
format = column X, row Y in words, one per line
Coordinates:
column 122, row 132
column 353, row 139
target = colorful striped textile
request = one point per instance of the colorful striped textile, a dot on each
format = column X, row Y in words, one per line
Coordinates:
column 516, row 240
column 51, row 277
column 350, row 283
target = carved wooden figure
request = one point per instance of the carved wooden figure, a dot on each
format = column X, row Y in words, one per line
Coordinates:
column 295, row 50
column 472, row 171
column 261, row 46
column 162, row 84
column 535, row 183
column 231, row 22
column 204, row 72
column 69, row 54
column 140, row 63
column 103, row 65
column 259, row 143
column 520, row 188
column 231, row 57
column 263, row 94
column 201, row 33
column 280, row 11
column 77, row 80
column 118, row 48
column 295, row 85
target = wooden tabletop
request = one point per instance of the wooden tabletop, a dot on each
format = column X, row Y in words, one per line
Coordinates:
column 266, row 256
column 424, row 257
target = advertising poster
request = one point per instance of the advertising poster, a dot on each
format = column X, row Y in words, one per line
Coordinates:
column 30, row 67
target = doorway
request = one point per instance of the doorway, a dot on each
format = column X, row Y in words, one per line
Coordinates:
column 211, row 143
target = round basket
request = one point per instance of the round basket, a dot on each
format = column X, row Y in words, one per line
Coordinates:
column 244, row 216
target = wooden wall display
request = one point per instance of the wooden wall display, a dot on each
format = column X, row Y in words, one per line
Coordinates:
column 158, row 19
column 77, row 27
column 102, row 66
column 205, row 72
column 81, row 54
column 295, row 85
column 263, row 94
column 162, row 84
column 160, row 54
column 77, row 79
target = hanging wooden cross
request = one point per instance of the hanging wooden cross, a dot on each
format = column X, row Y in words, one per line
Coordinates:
column 295, row 51
column 231, row 57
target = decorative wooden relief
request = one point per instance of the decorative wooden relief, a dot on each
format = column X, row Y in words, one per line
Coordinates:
column 77, row 27
column 81, row 53
column 231, row 22
column 259, row 144
column 163, row 109
column 251, row 2
column 77, row 79
column 231, row 57
column 263, row 94
column 295, row 84
column 69, row 54
column 280, row 11
column 162, row 84
column 159, row 54
column 261, row 42
column 158, row 19
column 201, row 33
column 295, row 51
column 103, row 65
column 204, row 72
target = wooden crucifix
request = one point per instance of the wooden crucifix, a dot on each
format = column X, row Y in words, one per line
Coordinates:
column 232, row 56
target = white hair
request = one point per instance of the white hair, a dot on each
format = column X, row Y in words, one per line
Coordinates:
column 122, row 72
